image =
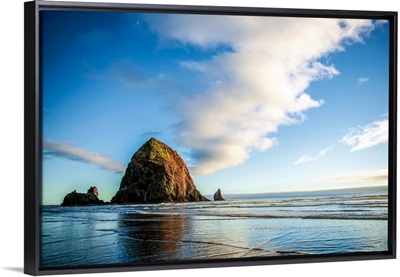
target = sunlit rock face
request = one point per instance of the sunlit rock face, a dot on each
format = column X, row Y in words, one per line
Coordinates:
column 156, row 174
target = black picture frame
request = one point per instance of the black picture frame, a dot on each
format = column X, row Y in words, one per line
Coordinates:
column 33, row 135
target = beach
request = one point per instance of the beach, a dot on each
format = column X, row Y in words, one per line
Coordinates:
column 280, row 224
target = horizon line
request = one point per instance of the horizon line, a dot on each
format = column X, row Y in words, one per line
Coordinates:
column 277, row 192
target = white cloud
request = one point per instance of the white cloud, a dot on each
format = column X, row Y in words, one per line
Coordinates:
column 362, row 80
column 380, row 22
column 258, row 83
column 196, row 66
column 316, row 157
column 363, row 137
column 373, row 176
column 69, row 151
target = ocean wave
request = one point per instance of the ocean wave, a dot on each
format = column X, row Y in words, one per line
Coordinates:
column 320, row 216
column 353, row 215
column 360, row 207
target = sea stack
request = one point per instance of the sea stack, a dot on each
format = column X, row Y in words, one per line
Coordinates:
column 156, row 174
column 83, row 199
column 94, row 191
column 218, row 196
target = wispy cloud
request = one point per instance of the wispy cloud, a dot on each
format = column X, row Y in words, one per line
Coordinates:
column 316, row 157
column 257, row 84
column 381, row 22
column 373, row 176
column 125, row 71
column 70, row 151
column 192, row 65
column 150, row 134
column 362, row 80
column 363, row 137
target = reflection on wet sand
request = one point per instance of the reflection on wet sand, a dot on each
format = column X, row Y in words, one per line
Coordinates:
column 151, row 237
column 166, row 237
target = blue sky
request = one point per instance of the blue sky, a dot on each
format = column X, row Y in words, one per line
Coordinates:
column 251, row 104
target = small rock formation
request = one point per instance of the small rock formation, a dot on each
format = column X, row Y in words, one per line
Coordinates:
column 218, row 196
column 83, row 199
column 156, row 174
column 94, row 191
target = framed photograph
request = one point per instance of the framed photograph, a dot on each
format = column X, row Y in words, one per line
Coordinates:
column 171, row 136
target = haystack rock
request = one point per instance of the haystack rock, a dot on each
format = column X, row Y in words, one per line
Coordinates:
column 156, row 174
column 218, row 196
column 83, row 199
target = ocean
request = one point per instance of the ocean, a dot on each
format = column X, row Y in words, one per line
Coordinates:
column 259, row 225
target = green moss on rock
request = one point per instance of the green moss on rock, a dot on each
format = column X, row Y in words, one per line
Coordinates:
column 157, row 150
